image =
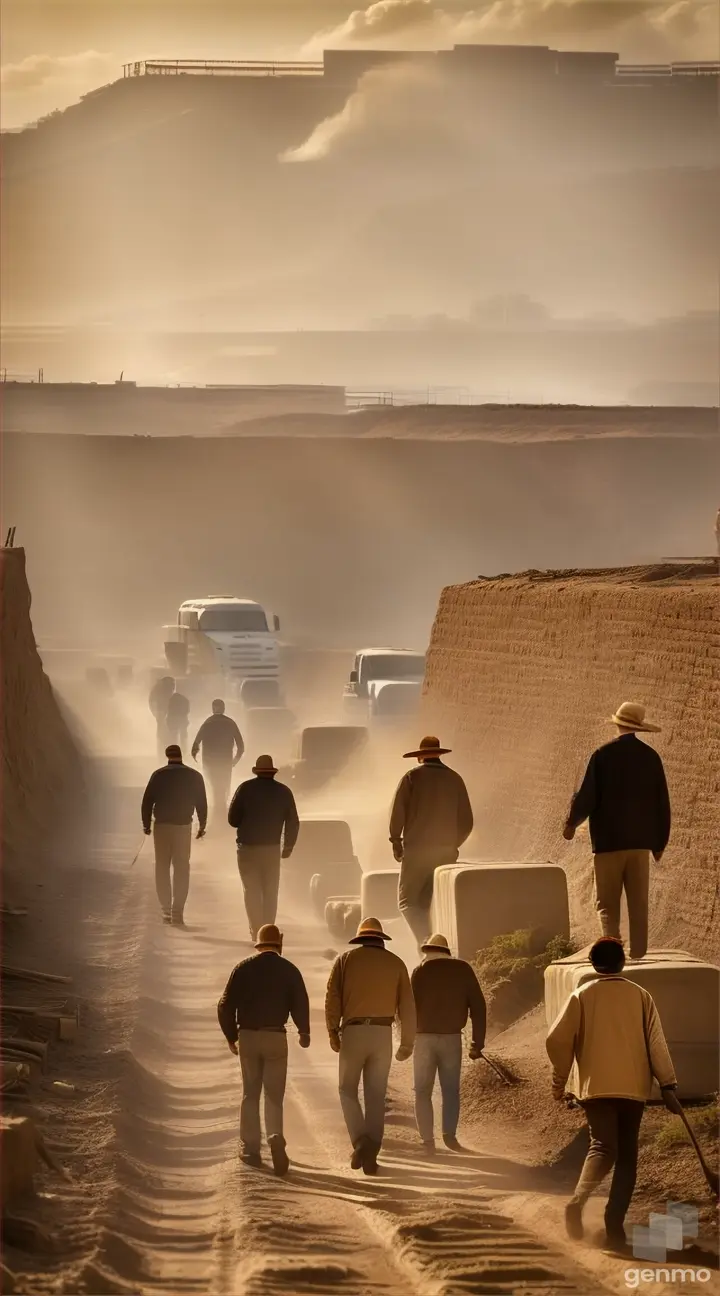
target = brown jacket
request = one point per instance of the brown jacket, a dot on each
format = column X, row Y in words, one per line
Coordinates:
column 431, row 810
column 446, row 990
column 370, row 981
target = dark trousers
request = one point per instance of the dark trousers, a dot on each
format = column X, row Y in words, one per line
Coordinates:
column 259, row 868
column 614, row 1125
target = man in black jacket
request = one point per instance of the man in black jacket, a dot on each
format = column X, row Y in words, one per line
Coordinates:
column 172, row 795
column 160, row 694
column 177, row 719
column 263, row 991
column 266, row 818
column 624, row 795
column 222, row 747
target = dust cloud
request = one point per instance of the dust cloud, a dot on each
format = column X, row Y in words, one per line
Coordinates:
column 640, row 30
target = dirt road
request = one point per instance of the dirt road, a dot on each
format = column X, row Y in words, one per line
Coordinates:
column 176, row 1211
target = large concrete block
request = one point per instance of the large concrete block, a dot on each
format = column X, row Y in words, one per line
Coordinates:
column 379, row 894
column 473, row 903
column 687, row 995
column 324, row 847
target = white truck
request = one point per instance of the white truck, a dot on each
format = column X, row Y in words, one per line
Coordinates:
column 376, row 667
column 223, row 635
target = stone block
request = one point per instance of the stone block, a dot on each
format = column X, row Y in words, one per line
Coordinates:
column 342, row 915
column 473, row 903
column 686, row 991
column 324, row 847
column 18, row 1158
column 379, row 894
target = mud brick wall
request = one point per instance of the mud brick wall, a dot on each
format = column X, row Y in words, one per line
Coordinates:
column 43, row 780
column 523, row 673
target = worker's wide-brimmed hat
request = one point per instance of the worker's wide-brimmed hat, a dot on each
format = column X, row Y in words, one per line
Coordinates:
column 631, row 715
column 264, row 765
column 429, row 746
column 369, row 929
column 436, row 942
column 269, row 934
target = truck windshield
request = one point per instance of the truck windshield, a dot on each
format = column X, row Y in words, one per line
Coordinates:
column 393, row 666
column 233, row 619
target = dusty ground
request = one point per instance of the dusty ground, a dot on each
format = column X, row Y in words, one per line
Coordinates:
column 157, row 1198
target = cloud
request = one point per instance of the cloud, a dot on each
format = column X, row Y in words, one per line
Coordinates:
column 79, row 72
column 636, row 29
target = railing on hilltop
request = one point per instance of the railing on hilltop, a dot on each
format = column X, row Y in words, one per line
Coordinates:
column 219, row 67
column 667, row 69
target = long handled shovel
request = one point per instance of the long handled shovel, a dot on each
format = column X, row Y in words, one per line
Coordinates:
column 505, row 1074
column 672, row 1102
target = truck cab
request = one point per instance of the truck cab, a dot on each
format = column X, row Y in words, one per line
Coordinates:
column 224, row 635
column 374, row 667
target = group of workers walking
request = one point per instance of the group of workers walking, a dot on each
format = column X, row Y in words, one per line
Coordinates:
column 368, row 991
column 609, row 1030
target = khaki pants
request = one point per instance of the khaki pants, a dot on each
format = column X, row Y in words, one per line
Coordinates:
column 628, row 870
column 218, row 775
column 259, row 868
column 172, row 851
column 365, row 1053
column 263, row 1063
column 416, row 885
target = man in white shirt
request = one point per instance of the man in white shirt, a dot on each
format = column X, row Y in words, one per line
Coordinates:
column 610, row 1037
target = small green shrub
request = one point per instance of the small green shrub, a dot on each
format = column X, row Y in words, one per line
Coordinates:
column 512, row 976
column 704, row 1121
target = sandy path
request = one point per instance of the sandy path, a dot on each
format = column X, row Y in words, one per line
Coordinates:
column 186, row 1216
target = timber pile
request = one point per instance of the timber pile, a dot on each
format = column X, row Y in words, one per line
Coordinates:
column 27, row 1032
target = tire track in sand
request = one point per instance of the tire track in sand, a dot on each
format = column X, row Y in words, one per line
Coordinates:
column 188, row 1217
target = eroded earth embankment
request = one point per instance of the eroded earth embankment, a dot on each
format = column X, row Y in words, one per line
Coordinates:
column 524, row 672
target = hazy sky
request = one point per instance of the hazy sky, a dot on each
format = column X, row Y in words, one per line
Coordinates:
column 56, row 50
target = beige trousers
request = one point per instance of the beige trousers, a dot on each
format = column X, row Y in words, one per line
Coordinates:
column 616, row 871
column 172, row 851
column 365, row 1054
column 263, row 1063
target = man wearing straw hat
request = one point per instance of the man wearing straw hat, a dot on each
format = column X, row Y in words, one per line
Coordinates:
column 625, row 796
column 368, row 989
column 430, row 819
column 446, row 992
column 266, row 819
column 263, row 991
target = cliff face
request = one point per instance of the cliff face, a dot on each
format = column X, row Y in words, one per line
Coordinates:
column 42, row 770
column 524, row 672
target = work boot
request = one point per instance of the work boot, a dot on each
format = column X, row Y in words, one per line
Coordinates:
column 357, row 1157
column 450, row 1141
column 615, row 1235
column 165, row 913
column 178, row 920
column 370, row 1156
column 573, row 1221
column 251, row 1158
column 429, row 1147
column 280, row 1159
